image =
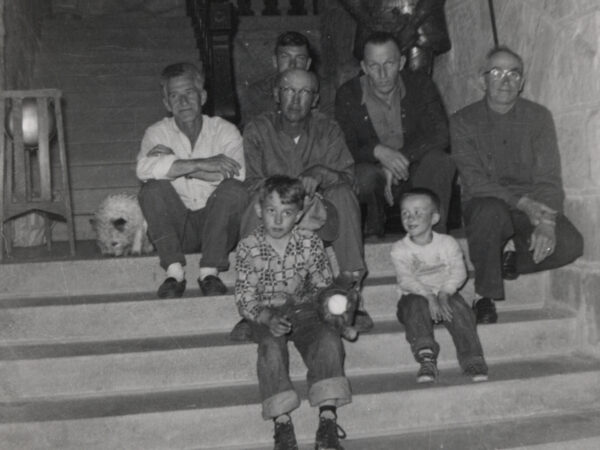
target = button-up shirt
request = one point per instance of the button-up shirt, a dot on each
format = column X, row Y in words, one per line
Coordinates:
column 216, row 137
column 267, row 278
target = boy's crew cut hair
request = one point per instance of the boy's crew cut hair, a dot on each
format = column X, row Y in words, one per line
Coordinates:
column 290, row 190
column 435, row 199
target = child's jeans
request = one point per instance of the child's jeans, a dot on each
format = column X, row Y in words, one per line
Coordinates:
column 413, row 313
column 322, row 351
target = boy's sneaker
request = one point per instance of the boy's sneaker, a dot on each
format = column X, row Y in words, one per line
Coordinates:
column 285, row 438
column 329, row 434
column 428, row 371
column 477, row 369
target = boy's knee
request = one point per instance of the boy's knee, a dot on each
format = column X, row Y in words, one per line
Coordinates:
column 409, row 304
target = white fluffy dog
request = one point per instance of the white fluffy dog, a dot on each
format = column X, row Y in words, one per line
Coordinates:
column 120, row 226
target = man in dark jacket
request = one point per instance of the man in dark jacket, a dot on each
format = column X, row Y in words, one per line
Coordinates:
column 396, row 129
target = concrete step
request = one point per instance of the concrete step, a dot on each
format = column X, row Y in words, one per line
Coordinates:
column 225, row 417
column 99, row 39
column 174, row 362
column 70, row 278
column 126, row 21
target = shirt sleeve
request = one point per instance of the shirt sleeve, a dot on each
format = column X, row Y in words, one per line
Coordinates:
column 547, row 180
column 246, row 284
column 456, row 265
column 338, row 158
column 319, row 268
column 232, row 145
column 408, row 283
column 253, row 156
column 473, row 177
column 153, row 167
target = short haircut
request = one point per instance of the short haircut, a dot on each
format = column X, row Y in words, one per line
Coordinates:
column 380, row 38
column 313, row 77
column 504, row 49
column 179, row 69
column 435, row 199
column 292, row 39
column 290, row 190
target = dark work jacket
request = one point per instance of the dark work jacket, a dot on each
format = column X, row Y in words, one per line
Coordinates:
column 424, row 120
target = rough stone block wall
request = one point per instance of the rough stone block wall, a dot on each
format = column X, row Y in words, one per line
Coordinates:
column 22, row 20
column 560, row 43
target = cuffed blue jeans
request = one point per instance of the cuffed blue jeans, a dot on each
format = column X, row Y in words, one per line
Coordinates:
column 175, row 230
column 413, row 313
column 322, row 351
column 490, row 223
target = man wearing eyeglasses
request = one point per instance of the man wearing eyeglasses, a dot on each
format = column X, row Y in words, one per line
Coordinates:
column 506, row 152
column 303, row 143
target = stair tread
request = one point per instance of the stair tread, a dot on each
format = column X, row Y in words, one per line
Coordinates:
column 227, row 396
column 14, row 352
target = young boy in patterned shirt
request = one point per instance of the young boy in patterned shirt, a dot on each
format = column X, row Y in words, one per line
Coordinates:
column 278, row 266
column 430, row 270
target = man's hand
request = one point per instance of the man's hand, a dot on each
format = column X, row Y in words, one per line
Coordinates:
column 445, row 309
column 434, row 308
column 390, row 180
column 535, row 210
column 393, row 160
column 310, row 184
column 221, row 164
column 543, row 241
column 160, row 149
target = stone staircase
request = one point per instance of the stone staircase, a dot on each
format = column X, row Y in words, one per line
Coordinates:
column 108, row 68
column 90, row 359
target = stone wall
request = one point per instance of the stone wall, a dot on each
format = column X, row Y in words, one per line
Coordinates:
column 86, row 8
column 22, row 21
column 560, row 43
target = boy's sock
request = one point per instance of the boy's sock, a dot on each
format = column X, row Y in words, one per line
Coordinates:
column 206, row 271
column 328, row 411
column 176, row 271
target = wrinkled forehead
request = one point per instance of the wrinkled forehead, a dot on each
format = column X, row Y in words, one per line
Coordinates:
column 298, row 80
column 293, row 50
column 504, row 60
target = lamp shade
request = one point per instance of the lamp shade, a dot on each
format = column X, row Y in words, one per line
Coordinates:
column 30, row 122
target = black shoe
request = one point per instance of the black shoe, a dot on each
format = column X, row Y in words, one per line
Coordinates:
column 212, row 285
column 241, row 331
column 428, row 371
column 509, row 266
column 485, row 310
column 329, row 434
column 171, row 288
column 285, row 438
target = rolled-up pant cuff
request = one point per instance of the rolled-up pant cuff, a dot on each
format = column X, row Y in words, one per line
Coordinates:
column 280, row 403
column 335, row 389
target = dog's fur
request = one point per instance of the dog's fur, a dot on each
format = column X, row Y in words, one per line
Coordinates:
column 120, row 226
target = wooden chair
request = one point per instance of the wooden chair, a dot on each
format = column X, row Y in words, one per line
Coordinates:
column 18, row 168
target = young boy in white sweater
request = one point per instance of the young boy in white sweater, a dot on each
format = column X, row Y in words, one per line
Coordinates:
column 430, row 269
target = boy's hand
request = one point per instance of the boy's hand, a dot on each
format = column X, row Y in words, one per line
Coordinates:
column 444, row 305
column 279, row 325
column 434, row 308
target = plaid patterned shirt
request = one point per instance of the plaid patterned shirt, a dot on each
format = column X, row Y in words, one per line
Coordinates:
column 265, row 278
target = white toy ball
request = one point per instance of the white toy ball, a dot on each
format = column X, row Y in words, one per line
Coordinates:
column 337, row 304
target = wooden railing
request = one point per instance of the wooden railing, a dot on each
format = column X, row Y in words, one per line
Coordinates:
column 214, row 25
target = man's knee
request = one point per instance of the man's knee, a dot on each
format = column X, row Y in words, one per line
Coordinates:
column 481, row 210
column 232, row 193
column 369, row 177
column 341, row 194
column 570, row 241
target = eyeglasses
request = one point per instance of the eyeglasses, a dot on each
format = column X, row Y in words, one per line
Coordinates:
column 291, row 92
column 498, row 74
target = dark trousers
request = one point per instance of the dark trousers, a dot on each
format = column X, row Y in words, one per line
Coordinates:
column 490, row 223
column 175, row 230
column 323, row 354
column 434, row 171
column 413, row 313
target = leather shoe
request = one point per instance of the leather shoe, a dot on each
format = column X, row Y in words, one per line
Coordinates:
column 485, row 310
column 212, row 285
column 171, row 288
column 509, row 266
column 241, row 331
